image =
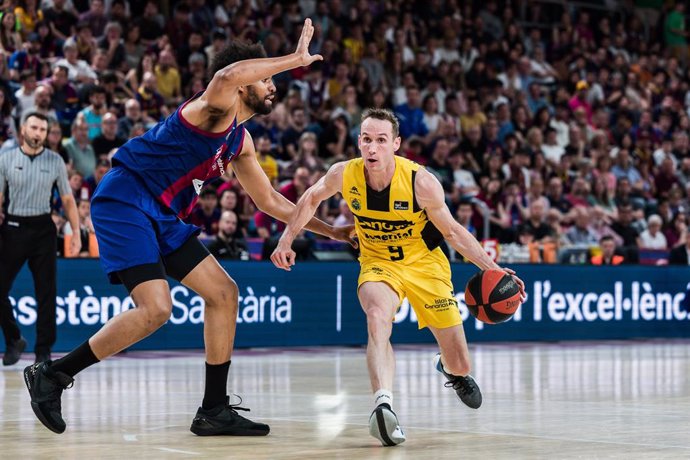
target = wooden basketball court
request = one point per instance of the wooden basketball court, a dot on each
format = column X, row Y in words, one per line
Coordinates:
column 575, row 400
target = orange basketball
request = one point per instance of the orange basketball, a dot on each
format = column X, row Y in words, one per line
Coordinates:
column 492, row 296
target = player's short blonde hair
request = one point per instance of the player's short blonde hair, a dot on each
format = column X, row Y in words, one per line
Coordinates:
column 383, row 114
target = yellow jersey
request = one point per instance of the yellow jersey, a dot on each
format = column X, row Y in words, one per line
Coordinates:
column 390, row 224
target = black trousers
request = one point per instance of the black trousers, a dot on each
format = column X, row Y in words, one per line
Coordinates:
column 31, row 239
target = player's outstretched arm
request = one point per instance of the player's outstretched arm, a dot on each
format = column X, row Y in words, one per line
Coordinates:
column 431, row 198
column 267, row 199
column 330, row 184
column 221, row 92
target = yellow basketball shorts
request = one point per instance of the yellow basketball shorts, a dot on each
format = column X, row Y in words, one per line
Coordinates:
column 426, row 284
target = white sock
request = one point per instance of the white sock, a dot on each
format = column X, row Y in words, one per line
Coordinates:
column 383, row 397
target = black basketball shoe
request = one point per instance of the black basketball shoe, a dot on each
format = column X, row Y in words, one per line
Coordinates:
column 13, row 351
column 224, row 420
column 465, row 387
column 45, row 388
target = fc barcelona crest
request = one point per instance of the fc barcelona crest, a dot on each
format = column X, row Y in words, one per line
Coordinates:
column 355, row 204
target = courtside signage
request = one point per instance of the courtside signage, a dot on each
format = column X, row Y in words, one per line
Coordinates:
column 316, row 304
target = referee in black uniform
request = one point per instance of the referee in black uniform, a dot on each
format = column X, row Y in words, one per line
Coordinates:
column 28, row 173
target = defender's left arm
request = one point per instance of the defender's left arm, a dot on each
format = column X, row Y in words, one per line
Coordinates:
column 430, row 197
column 267, row 199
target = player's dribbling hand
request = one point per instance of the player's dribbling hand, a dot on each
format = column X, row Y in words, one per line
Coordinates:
column 520, row 283
column 283, row 256
column 303, row 45
column 346, row 233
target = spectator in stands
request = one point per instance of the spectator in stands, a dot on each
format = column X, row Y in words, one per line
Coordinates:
column 535, row 222
column 42, row 103
column 556, row 197
column 552, row 150
column 151, row 101
column 8, row 128
column 665, row 177
column 226, row 245
column 93, row 113
column 463, row 179
column 307, row 156
column 266, row 160
column 336, row 143
column 119, row 12
column 102, row 167
column 410, row 114
column 439, row 165
column 676, row 230
column 27, row 57
column 134, row 49
column 608, row 254
column 680, row 255
column 579, row 100
column 62, row 21
column 151, row 23
column 168, row 82
column 600, row 225
column 76, row 183
column 195, row 72
column 108, row 139
column 298, row 122
column 474, row 145
column 206, row 214
column 79, row 148
column 474, row 117
column 601, row 197
column 85, row 226
column 675, row 35
column 344, row 216
column 95, row 17
column 114, row 47
column 54, row 141
column 133, row 115
column 623, row 226
column 653, row 238
column 10, row 38
column 26, row 95
column 580, row 232
column 78, row 70
column 464, row 215
column 84, row 41
column 179, row 27
column 64, row 98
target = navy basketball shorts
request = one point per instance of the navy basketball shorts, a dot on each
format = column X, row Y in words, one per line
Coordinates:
column 132, row 227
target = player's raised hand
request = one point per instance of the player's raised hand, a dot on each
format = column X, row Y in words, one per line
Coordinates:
column 283, row 256
column 303, row 45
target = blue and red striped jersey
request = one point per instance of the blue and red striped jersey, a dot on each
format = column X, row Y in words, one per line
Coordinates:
column 174, row 159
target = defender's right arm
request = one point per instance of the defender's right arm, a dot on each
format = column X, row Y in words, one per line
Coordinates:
column 330, row 184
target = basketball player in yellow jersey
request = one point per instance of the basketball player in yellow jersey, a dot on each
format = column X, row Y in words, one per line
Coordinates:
column 401, row 218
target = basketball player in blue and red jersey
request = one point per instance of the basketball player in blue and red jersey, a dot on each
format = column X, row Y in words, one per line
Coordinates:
column 136, row 210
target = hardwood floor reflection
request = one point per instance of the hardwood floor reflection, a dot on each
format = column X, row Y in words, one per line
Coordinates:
column 576, row 400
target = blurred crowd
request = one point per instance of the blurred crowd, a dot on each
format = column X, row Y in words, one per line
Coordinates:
column 550, row 125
